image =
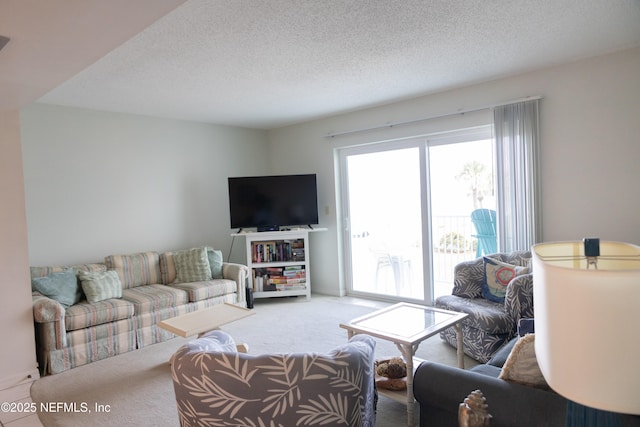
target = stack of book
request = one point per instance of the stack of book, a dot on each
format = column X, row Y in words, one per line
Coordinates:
column 280, row 278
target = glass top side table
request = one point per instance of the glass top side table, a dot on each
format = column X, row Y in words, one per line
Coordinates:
column 407, row 325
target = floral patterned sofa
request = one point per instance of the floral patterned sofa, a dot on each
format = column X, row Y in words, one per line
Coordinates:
column 88, row 312
column 216, row 385
column 493, row 313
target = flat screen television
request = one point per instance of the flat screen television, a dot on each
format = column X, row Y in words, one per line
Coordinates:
column 270, row 202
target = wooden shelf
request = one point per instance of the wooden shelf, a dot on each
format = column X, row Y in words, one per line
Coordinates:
column 274, row 250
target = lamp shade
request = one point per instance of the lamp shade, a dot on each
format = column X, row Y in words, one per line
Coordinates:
column 588, row 323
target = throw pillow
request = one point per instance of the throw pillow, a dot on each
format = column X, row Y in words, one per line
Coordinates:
column 215, row 262
column 522, row 366
column 100, row 286
column 62, row 287
column 192, row 265
column 497, row 275
column 137, row 269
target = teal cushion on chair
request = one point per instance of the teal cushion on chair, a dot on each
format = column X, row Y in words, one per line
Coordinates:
column 215, row 262
column 62, row 287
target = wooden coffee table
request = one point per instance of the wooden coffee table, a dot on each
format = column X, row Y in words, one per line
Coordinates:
column 407, row 325
column 202, row 321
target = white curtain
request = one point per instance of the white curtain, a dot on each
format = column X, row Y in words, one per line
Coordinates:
column 517, row 147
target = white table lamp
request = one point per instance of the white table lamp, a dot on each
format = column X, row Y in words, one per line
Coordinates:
column 587, row 317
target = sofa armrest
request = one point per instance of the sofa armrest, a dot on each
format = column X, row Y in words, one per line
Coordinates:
column 518, row 300
column 46, row 309
column 48, row 315
column 439, row 389
column 238, row 273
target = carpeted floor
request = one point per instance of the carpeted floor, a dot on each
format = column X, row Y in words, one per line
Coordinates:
column 135, row 389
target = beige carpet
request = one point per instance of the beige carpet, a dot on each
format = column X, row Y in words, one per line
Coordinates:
column 135, row 389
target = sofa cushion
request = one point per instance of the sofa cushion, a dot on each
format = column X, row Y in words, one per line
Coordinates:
column 85, row 314
column 522, row 366
column 48, row 270
column 469, row 275
column 167, row 268
column 192, row 265
column 486, row 369
column 100, row 286
column 497, row 275
column 137, row 269
column 198, row 291
column 44, row 271
column 62, row 287
column 154, row 297
column 500, row 357
column 215, row 262
column 484, row 315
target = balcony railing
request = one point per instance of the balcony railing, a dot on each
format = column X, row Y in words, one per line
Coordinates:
column 397, row 272
column 453, row 242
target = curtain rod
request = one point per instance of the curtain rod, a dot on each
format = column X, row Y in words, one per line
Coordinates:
column 423, row 119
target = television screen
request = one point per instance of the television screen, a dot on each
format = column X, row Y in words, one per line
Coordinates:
column 269, row 202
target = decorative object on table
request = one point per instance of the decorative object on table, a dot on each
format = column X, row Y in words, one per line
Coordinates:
column 474, row 411
column 394, row 371
column 586, row 301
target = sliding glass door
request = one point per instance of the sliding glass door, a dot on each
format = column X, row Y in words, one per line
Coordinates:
column 407, row 212
column 461, row 182
column 384, row 223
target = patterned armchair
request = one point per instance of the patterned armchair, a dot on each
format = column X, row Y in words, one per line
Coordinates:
column 490, row 324
column 217, row 386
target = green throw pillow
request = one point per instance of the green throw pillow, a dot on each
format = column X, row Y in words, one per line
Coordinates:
column 215, row 262
column 62, row 287
column 100, row 286
column 497, row 275
column 192, row 265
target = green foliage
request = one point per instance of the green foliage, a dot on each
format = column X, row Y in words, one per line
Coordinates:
column 454, row 242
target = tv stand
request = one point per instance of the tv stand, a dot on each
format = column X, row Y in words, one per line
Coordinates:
column 279, row 262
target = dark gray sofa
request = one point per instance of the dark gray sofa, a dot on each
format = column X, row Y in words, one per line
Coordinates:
column 439, row 389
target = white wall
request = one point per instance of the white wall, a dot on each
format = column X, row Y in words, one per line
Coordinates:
column 590, row 143
column 100, row 183
column 18, row 355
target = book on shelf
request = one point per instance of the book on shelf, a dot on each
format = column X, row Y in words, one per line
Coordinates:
column 278, row 251
column 286, row 281
column 282, row 287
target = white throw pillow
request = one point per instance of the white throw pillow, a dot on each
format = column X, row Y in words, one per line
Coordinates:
column 522, row 366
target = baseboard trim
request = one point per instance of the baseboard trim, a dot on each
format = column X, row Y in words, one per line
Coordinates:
column 19, row 379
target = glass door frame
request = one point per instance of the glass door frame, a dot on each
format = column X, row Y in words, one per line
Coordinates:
column 343, row 153
column 422, row 142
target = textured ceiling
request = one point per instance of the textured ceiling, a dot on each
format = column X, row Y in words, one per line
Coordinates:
column 266, row 64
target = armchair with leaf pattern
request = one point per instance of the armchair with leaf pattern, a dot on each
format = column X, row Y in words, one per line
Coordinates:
column 217, row 386
column 490, row 324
